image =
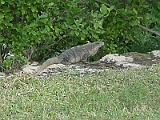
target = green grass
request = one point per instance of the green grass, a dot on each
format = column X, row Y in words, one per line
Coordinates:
column 132, row 94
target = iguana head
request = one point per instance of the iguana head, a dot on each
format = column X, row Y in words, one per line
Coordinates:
column 93, row 47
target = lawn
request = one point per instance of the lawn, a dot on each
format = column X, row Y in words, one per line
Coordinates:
column 129, row 94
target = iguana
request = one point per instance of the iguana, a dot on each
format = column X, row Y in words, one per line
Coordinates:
column 73, row 55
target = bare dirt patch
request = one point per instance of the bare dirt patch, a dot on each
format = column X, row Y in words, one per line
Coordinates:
column 110, row 61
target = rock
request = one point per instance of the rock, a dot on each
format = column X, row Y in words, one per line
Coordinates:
column 156, row 53
column 116, row 58
column 29, row 68
column 126, row 65
column 34, row 63
column 114, row 61
column 2, row 75
column 56, row 66
column 120, row 60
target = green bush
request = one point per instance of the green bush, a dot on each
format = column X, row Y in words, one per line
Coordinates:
column 37, row 30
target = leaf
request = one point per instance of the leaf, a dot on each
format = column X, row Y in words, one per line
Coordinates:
column 133, row 22
column 78, row 22
column 2, row 2
column 1, row 16
column 70, row 20
column 77, row 33
column 98, row 24
column 5, row 9
column 1, row 39
column 85, row 32
column 75, row 10
column 135, row 11
column 104, row 9
column 82, row 37
column 111, row 8
column 34, row 9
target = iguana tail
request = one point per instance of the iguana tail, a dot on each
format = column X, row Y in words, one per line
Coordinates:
column 47, row 63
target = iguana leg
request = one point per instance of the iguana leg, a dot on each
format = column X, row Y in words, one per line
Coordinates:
column 85, row 57
column 65, row 61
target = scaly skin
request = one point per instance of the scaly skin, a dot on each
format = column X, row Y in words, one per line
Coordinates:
column 73, row 55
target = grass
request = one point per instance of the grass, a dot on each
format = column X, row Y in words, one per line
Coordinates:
column 132, row 94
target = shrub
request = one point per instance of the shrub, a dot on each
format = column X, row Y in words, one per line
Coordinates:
column 37, row 30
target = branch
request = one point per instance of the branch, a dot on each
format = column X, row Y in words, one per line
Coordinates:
column 78, row 14
column 149, row 30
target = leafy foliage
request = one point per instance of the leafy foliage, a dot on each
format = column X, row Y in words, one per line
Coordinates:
column 36, row 30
